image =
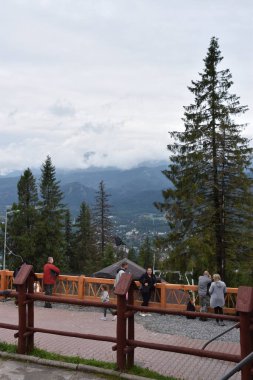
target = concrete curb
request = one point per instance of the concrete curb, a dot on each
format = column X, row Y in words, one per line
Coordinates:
column 70, row 366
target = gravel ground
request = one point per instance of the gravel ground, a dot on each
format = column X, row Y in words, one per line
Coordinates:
column 192, row 328
column 174, row 325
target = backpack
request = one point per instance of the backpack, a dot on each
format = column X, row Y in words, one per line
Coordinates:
column 190, row 307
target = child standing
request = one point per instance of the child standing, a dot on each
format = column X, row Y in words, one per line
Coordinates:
column 105, row 298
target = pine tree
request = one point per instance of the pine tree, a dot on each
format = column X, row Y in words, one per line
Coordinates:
column 209, row 204
column 102, row 219
column 23, row 223
column 132, row 255
column 146, row 255
column 109, row 256
column 50, row 237
column 86, row 259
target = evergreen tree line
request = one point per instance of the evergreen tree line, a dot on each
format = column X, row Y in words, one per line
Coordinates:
column 40, row 225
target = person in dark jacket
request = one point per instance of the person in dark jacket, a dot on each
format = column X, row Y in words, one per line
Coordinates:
column 49, row 278
column 148, row 282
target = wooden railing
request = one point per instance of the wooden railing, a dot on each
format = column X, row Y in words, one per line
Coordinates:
column 169, row 296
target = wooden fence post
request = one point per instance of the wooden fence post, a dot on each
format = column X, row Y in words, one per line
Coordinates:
column 3, row 285
column 21, row 319
column 121, row 290
column 24, row 281
column 30, row 320
column 130, row 354
column 81, row 290
column 163, row 296
column 244, row 305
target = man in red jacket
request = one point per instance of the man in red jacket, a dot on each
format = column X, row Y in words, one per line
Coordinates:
column 49, row 278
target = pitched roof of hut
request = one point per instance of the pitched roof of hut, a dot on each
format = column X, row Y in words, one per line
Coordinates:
column 111, row 271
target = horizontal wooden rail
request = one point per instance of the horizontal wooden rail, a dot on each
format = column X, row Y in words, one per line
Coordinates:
column 169, row 296
column 185, row 350
column 102, row 338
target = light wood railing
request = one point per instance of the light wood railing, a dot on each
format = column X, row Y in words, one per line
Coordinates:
column 170, row 296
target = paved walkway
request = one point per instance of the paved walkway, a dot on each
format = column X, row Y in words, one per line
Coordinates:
column 167, row 363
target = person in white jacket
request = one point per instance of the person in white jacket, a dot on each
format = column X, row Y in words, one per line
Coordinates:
column 105, row 299
column 217, row 292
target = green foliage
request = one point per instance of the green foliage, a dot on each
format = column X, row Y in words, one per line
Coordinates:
column 86, row 258
column 146, row 255
column 50, row 233
column 102, row 219
column 132, row 255
column 22, row 221
column 7, row 347
column 209, row 205
column 109, row 256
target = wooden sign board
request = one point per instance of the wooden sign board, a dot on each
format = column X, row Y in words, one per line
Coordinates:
column 244, row 302
column 123, row 285
column 24, row 272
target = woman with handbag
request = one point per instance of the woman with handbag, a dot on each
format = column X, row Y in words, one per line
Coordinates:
column 148, row 282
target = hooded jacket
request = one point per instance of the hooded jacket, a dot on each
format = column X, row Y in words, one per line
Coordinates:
column 217, row 291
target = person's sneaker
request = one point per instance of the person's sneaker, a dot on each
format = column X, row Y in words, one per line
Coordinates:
column 114, row 318
column 103, row 318
column 222, row 324
column 142, row 314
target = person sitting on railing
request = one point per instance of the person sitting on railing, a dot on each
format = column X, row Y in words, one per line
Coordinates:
column 217, row 291
column 49, row 278
column 148, row 281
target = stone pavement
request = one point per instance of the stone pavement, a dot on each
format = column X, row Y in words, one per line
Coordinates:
column 180, row 366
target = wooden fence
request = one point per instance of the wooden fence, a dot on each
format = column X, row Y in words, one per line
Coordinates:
column 166, row 296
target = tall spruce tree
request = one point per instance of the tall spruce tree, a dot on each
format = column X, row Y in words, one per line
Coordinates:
column 209, row 204
column 102, row 219
column 23, row 223
column 50, row 237
column 86, row 259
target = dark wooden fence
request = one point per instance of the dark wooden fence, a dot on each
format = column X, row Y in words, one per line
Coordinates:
column 125, row 342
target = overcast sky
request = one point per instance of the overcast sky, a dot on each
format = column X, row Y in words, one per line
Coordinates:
column 100, row 83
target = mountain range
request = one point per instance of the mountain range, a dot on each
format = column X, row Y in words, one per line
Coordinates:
column 132, row 192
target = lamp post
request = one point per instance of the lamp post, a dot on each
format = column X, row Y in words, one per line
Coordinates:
column 5, row 233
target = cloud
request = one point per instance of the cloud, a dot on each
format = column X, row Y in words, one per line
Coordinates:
column 62, row 109
column 102, row 82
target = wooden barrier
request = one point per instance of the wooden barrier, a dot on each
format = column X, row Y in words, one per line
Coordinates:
column 88, row 288
column 125, row 310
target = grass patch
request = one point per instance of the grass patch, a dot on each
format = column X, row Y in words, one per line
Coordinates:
column 39, row 353
column 6, row 347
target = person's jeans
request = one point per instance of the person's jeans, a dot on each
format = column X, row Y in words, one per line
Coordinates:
column 48, row 288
